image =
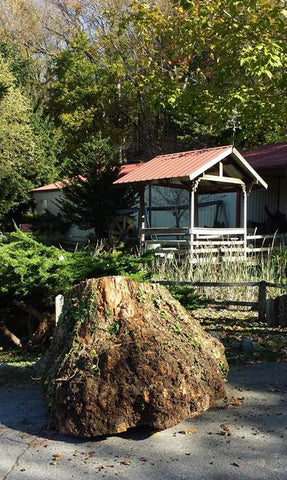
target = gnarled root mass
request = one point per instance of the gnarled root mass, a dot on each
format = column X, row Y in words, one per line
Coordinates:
column 127, row 354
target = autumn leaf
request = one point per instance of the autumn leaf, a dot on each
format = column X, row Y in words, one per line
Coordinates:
column 190, row 431
column 126, row 462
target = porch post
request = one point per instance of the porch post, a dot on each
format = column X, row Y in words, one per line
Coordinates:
column 142, row 217
column 244, row 190
column 191, row 221
column 192, row 214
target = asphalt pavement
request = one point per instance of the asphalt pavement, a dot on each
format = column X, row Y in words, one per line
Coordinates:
column 243, row 438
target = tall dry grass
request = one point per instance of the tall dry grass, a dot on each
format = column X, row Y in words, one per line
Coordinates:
column 270, row 266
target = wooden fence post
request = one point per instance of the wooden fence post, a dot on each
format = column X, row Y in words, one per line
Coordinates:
column 262, row 301
column 59, row 303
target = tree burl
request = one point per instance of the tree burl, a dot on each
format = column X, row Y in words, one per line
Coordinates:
column 126, row 354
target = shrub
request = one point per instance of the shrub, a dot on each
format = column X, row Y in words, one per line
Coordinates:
column 36, row 273
column 187, row 296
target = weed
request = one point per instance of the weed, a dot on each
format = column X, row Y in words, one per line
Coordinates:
column 176, row 329
column 115, row 327
column 108, row 313
column 141, row 295
column 270, row 266
column 96, row 370
column 223, row 368
column 139, row 348
column 157, row 302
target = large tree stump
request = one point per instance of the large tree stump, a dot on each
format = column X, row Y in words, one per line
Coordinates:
column 126, row 354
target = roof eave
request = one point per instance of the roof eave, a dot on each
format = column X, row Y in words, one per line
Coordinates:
column 259, row 180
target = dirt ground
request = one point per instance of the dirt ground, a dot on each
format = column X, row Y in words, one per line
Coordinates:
column 246, row 340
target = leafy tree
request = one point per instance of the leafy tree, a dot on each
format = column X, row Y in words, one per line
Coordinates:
column 38, row 27
column 48, row 139
column 74, row 93
column 159, row 76
column 90, row 199
column 240, row 59
column 121, row 83
column 23, row 69
column 21, row 166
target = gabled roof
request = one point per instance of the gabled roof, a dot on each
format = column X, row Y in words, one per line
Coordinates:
column 268, row 156
column 186, row 166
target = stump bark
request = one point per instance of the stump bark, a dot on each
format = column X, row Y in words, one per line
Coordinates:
column 126, row 354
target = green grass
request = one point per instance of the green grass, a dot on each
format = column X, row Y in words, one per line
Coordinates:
column 16, row 358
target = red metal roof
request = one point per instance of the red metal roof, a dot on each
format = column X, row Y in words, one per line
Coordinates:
column 268, row 156
column 174, row 165
column 128, row 168
column 51, row 187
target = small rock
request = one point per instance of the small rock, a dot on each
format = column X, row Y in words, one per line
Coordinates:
column 215, row 335
column 249, row 345
column 38, row 366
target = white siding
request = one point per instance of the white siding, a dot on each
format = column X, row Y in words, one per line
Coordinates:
column 275, row 197
column 47, row 201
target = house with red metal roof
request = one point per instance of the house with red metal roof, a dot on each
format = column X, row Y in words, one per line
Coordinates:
column 228, row 191
column 47, row 198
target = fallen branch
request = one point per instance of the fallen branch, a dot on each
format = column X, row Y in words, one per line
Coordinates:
column 7, row 333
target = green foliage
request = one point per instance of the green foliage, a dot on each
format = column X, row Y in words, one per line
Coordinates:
column 187, row 296
column 49, row 143
column 115, row 327
column 35, row 273
column 240, row 60
column 76, row 311
column 90, row 199
column 49, row 224
column 23, row 69
column 155, row 76
column 21, row 165
column 74, row 93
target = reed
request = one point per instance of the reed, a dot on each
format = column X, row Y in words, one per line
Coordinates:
column 270, row 266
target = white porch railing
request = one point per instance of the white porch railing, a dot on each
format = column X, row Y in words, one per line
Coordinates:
column 202, row 240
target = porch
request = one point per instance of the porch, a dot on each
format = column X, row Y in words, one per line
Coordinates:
column 223, row 243
column 197, row 173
